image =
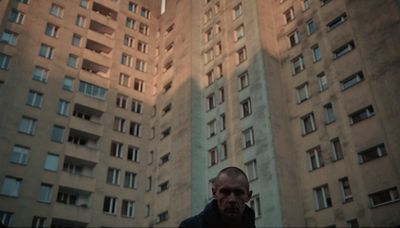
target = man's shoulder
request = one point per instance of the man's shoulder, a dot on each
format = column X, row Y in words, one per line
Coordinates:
column 192, row 222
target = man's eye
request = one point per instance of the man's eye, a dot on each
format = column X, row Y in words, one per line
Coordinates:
column 225, row 191
column 238, row 192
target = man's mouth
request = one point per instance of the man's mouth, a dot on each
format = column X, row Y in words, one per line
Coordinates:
column 232, row 210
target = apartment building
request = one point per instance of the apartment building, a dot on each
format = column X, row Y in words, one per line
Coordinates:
column 122, row 112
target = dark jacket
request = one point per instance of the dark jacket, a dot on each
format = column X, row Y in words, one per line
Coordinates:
column 211, row 218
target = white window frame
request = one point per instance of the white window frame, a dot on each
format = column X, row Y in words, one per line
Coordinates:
column 11, row 186
column 20, row 154
column 304, row 124
column 112, row 203
column 251, row 170
column 322, row 192
column 247, row 138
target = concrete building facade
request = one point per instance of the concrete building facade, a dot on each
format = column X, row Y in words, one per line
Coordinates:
column 122, row 112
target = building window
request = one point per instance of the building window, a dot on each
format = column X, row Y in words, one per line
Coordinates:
column 343, row 50
column 126, row 60
column 128, row 208
column 19, row 155
column 243, row 80
column 223, row 155
column 322, row 81
column 221, row 95
column 208, row 55
column 218, row 49
column 9, row 37
column 239, row 32
column 124, row 80
column 147, row 210
column 212, row 156
column 148, row 184
column 163, row 186
column 353, row 223
column 135, row 129
column 384, row 197
column 84, row 4
column 35, row 99
column 372, row 153
column 92, row 90
column 11, row 186
column 165, row 158
column 167, row 87
column 306, row 4
column 113, row 176
column 57, row 134
column 23, row 1
column 308, row 124
column 4, row 61
column 222, row 122
column 68, row 83
column 122, row 101
column 110, row 205
column 145, row 13
column 247, row 138
column 219, row 71
column 162, row 217
column 57, row 10
column 208, row 15
column 46, row 51
column 40, row 74
column 27, row 125
column 44, row 194
column 72, row 61
column 241, row 55
column 130, row 180
column 51, row 162
column 345, row 190
column 80, row 21
column 297, row 64
column 129, row 41
column 137, row 106
column 328, row 112
column 251, row 170
column 336, row 22
column 117, row 149
column 210, row 101
column 352, row 80
column 16, row 16
column 336, row 149
column 76, row 40
column 142, row 46
column 302, row 93
column 361, row 115
column 38, row 222
column 315, row 160
column 133, row 153
column 311, row 27
column 246, row 109
column 208, row 35
column 141, row 65
column 63, row 107
column 322, row 197
column 52, row 30
column 130, row 23
column 237, row 11
column 210, row 77
column 5, row 218
column 212, row 128
column 293, row 38
column 138, row 85
column 144, row 29
column 165, row 133
column 169, row 46
column 316, row 53
column 119, row 124
column 132, row 7
column 168, row 65
column 288, row 15
column 166, row 109
column 255, row 205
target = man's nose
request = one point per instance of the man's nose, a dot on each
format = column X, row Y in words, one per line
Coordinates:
column 232, row 197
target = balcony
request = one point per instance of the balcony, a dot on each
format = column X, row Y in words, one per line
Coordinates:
column 73, row 203
column 104, row 15
column 90, row 102
column 82, row 152
column 87, row 126
column 100, row 38
column 85, row 183
column 95, row 68
column 101, row 29
column 78, row 167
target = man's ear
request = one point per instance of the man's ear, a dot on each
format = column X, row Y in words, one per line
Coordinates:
column 249, row 195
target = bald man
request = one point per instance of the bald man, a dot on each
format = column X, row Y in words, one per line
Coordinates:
column 228, row 209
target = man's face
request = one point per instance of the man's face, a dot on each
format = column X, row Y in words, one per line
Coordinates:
column 231, row 194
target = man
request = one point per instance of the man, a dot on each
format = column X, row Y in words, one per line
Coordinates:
column 228, row 209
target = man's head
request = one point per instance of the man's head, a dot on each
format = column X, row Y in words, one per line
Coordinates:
column 231, row 191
